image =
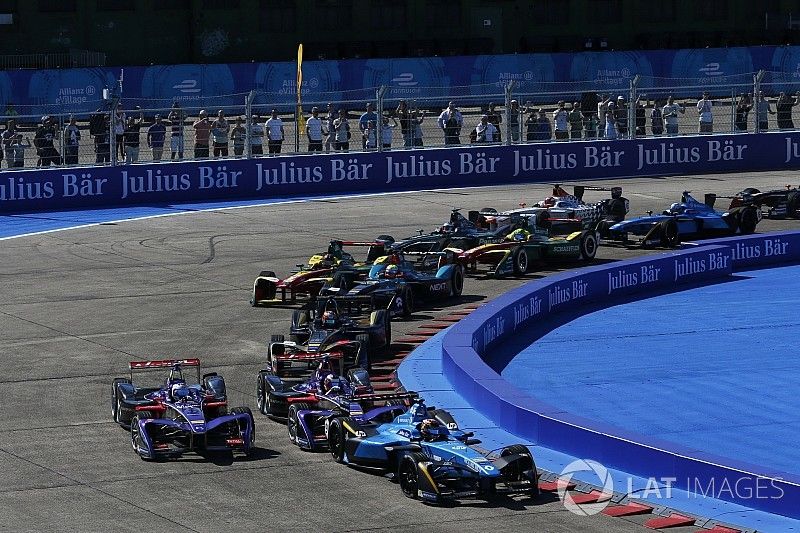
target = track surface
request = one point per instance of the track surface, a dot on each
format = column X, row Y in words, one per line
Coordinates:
column 78, row 305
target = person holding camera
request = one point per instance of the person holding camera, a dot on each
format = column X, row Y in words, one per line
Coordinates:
column 450, row 122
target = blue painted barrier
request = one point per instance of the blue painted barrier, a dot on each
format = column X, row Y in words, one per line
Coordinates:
column 468, row 355
column 342, row 173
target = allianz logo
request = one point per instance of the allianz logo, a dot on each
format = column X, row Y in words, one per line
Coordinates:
column 187, row 86
column 711, row 69
column 406, row 79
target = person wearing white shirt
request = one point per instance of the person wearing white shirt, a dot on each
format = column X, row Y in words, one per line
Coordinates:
column 388, row 132
column 486, row 132
column 704, row 109
column 314, row 131
column 561, row 122
column 370, row 136
column 274, row 128
column 342, row 128
column 256, row 136
column 450, row 122
column 670, row 113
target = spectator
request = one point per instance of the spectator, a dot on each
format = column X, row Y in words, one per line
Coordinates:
column 544, row 131
column 495, row 118
column 387, row 132
column 132, row 139
column 590, row 123
column 102, row 140
column 156, row 134
column 6, row 138
column 602, row 110
column 11, row 111
column 176, row 140
column 314, row 131
column 274, row 128
column 531, row 125
column 784, row 107
column 238, row 136
column 120, row 120
column 589, row 107
column 656, row 119
column 341, row 127
column 611, row 132
column 202, row 134
column 450, row 122
column 17, row 149
column 621, row 117
column 485, row 131
column 406, row 128
column 575, row 118
column 72, row 138
column 330, row 138
column 743, row 107
column 763, row 110
column 561, row 122
column 513, row 121
column 417, row 117
column 371, row 134
column 640, row 117
column 256, row 136
column 364, row 121
column 705, row 112
column 43, row 141
column 670, row 113
column 220, row 129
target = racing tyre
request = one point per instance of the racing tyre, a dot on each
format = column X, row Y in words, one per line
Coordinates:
column 408, row 302
column 520, row 261
column 293, row 422
column 518, row 471
column 669, row 234
column 116, row 402
column 263, row 399
column 457, row 283
column 381, row 318
column 385, row 238
column 137, row 439
column 300, row 319
column 408, row 474
column 602, row 228
column 263, row 290
column 748, row 220
column 363, row 356
column 246, row 411
column 337, row 437
column 793, row 205
column 588, row 245
column 275, row 350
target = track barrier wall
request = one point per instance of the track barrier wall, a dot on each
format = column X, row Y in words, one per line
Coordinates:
column 469, row 350
column 344, row 173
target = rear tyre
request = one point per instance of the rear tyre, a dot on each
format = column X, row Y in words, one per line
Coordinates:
column 457, row 283
column 363, row 358
column 588, row 245
column 748, row 220
column 293, row 422
column 520, row 261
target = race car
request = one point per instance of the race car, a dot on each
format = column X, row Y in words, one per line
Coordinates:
column 778, row 203
column 561, row 205
column 273, row 393
column 430, row 457
column 304, row 284
column 325, row 328
column 396, row 284
column 530, row 242
column 181, row 413
column 689, row 219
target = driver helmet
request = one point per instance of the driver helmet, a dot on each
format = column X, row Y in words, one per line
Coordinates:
column 327, row 383
column 676, row 208
column 430, row 429
column 392, row 271
column 179, row 391
column 447, row 228
column 329, row 318
column 520, row 235
column 324, row 368
column 328, row 260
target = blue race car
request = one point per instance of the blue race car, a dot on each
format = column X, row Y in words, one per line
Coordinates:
column 432, row 459
column 173, row 416
column 689, row 219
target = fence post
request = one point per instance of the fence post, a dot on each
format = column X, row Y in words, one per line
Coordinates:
column 248, row 121
column 756, row 98
column 112, row 137
column 632, row 106
column 508, row 91
column 734, row 106
column 379, row 94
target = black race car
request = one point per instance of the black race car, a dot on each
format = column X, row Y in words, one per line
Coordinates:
column 778, row 203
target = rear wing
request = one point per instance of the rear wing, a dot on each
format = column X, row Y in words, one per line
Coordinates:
column 308, row 356
column 373, row 397
column 578, row 190
column 163, row 363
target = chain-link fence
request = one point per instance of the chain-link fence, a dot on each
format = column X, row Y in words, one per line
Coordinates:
column 260, row 124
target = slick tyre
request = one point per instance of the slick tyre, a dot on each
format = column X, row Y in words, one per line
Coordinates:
column 748, row 220
column 457, row 285
column 337, row 438
column 670, row 238
column 263, row 398
column 137, row 439
column 240, row 427
column 293, row 426
column 520, row 261
column 518, row 470
column 588, row 245
column 408, row 474
column 118, row 411
column 364, row 355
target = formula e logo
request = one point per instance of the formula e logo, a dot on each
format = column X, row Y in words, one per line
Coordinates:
column 187, row 86
column 406, row 79
column 711, row 69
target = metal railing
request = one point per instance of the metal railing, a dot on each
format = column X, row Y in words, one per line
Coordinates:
column 261, row 124
column 73, row 59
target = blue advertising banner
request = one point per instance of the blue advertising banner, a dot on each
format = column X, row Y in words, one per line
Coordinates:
column 80, row 90
column 342, row 173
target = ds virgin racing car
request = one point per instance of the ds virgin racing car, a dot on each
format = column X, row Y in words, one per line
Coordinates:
column 305, row 283
column 175, row 415
column 528, row 243
column 431, row 458
column 324, row 328
column 778, row 203
column 395, row 284
column 688, row 219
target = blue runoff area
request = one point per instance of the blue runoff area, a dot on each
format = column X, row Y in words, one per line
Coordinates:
column 713, row 369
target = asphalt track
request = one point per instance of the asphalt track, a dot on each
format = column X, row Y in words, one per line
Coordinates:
column 77, row 305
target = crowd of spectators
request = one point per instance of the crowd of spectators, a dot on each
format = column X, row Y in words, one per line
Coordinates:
column 595, row 116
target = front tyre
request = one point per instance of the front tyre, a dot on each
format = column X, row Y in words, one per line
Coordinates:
column 588, row 245
column 520, row 261
column 293, row 426
column 337, row 440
